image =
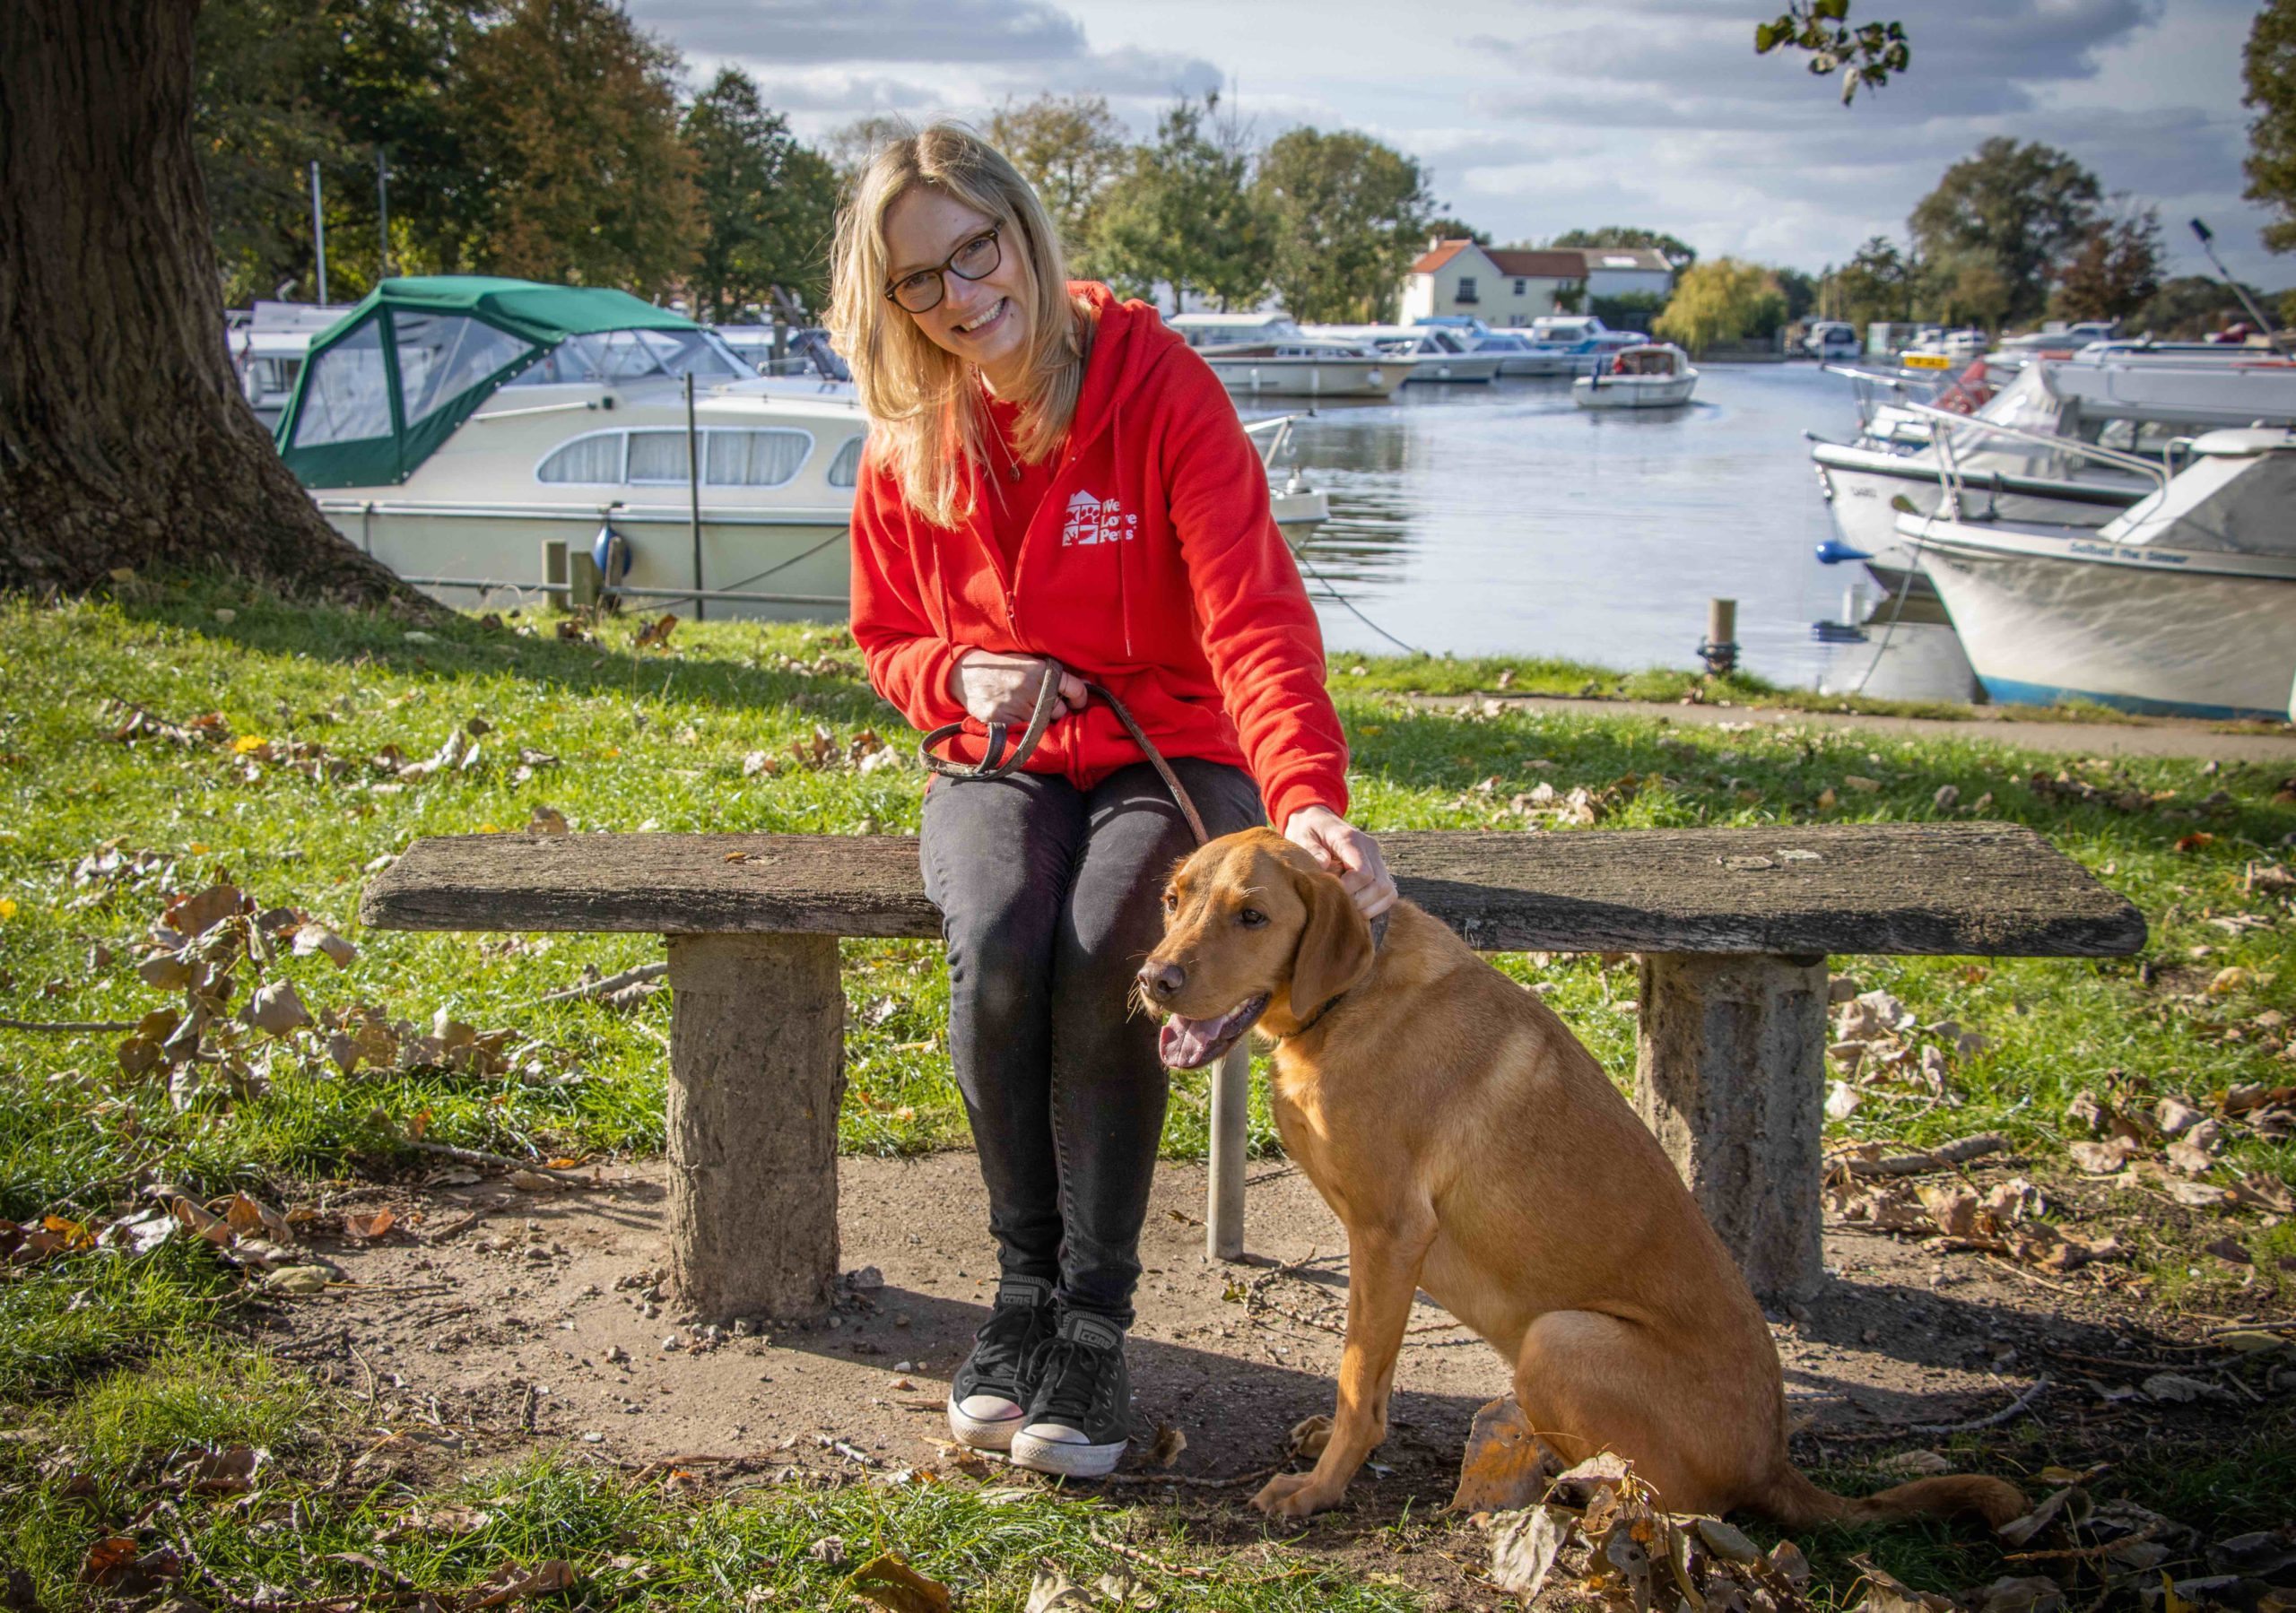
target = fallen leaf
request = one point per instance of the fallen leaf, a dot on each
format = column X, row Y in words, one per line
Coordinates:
column 2102, row 1158
column 2191, row 1160
column 657, row 632
column 1055, row 1593
column 276, row 1009
column 1165, row 1448
column 368, row 1227
column 2196, row 841
column 2200, row 1195
column 2175, row 1387
column 533, row 1181
column 1864, row 786
column 1524, row 1546
column 548, row 820
column 511, row 1582
column 318, row 938
column 890, row 1582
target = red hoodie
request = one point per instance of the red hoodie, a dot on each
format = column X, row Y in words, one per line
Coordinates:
column 1152, row 567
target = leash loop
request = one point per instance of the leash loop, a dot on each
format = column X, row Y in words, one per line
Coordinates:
column 995, row 764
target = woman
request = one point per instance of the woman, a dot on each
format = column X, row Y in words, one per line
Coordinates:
column 1054, row 480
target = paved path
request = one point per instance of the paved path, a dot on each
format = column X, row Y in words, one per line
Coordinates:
column 2150, row 736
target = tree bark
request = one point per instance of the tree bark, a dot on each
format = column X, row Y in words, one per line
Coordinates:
column 125, row 440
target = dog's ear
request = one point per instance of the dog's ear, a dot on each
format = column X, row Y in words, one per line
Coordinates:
column 1335, row 944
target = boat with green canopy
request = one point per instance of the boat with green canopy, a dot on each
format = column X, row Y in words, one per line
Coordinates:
column 472, row 431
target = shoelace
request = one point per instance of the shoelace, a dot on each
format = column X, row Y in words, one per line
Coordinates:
column 1071, row 1371
column 1001, row 1354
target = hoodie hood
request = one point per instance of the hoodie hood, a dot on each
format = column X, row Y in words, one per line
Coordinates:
column 1129, row 341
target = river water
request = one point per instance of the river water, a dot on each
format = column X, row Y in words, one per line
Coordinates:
column 1504, row 520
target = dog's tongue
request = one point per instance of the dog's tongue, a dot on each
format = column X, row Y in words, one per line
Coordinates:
column 1184, row 1044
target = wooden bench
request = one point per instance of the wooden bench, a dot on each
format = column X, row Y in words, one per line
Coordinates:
column 1732, row 926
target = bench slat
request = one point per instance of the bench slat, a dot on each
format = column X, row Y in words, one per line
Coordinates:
column 1952, row 889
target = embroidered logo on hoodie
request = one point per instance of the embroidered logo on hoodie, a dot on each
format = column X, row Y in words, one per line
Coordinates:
column 1094, row 520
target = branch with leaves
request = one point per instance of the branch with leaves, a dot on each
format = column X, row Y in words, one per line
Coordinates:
column 1864, row 54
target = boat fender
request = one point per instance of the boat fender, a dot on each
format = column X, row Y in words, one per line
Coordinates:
column 610, row 552
column 1833, row 551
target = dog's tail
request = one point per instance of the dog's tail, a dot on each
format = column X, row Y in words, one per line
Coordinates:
column 1797, row 1503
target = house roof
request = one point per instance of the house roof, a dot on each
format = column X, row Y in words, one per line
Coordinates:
column 1624, row 257
column 1556, row 265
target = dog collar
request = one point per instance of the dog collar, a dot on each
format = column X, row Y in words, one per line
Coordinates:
column 1378, row 940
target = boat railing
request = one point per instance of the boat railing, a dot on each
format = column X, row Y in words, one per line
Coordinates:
column 2158, row 475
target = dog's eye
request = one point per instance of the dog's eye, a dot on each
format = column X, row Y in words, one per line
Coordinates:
column 1252, row 917
column 1171, row 901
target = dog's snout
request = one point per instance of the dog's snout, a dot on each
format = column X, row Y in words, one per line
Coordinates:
column 1163, row 979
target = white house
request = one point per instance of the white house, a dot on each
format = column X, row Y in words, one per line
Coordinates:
column 1623, row 271
column 1499, row 285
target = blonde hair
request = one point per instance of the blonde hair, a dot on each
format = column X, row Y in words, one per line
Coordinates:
column 924, row 411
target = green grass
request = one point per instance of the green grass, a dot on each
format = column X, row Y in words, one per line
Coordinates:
column 124, row 1359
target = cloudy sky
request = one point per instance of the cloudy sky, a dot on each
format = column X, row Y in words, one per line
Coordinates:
column 1544, row 115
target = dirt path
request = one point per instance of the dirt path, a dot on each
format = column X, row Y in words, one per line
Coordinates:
column 504, row 1317
column 2152, row 736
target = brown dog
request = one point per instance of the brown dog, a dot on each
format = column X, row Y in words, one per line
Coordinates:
column 1474, row 1149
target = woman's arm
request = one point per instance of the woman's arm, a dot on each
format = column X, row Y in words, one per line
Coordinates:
column 1261, row 635
column 910, row 663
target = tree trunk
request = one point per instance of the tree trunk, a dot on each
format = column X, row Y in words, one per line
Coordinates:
column 125, row 440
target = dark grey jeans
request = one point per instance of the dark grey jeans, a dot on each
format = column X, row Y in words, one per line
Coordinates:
column 1050, row 900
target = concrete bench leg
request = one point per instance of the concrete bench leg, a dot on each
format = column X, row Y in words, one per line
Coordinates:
column 1232, row 1107
column 1731, row 1077
column 757, row 1049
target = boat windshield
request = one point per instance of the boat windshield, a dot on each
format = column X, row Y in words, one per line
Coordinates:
column 2242, row 510
column 2027, row 404
column 636, row 355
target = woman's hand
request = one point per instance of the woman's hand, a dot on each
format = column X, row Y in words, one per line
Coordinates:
column 1346, row 851
column 995, row 688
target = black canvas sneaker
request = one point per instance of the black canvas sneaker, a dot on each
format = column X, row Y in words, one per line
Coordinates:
column 1078, row 1422
column 990, row 1394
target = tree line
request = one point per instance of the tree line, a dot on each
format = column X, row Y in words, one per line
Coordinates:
column 540, row 138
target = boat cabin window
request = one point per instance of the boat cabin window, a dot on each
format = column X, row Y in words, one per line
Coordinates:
column 608, row 357
column 845, row 470
column 442, row 356
column 729, row 458
column 347, row 398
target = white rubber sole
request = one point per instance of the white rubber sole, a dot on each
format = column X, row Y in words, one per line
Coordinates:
column 984, row 1434
column 1064, row 1457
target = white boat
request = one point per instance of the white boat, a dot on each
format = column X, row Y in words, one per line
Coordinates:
column 473, row 433
column 2184, row 604
column 2024, row 451
column 1268, row 355
column 1298, row 508
column 1441, row 355
column 1656, row 375
column 808, row 367
column 1583, row 337
column 267, row 344
column 1519, row 352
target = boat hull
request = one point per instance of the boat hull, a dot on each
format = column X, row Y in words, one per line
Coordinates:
column 1456, row 367
column 1859, row 485
column 1310, row 377
column 1632, row 392
column 2046, row 617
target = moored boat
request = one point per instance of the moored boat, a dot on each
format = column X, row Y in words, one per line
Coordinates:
column 2184, row 604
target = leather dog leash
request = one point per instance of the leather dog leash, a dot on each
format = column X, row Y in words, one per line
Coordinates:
column 995, row 764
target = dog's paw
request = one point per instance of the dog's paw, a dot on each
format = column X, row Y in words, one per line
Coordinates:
column 1293, row 1496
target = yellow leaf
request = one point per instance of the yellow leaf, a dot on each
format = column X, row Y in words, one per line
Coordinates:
column 247, row 742
column 487, row 828
column 198, row 849
column 7, row 908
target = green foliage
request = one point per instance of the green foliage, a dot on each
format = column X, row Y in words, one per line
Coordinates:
column 1722, row 300
column 1449, row 228
column 1184, row 215
column 282, row 83
column 2269, row 78
column 1630, row 311
column 2115, row 269
column 576, row 136
column 2022, row 206
column 1864, row 56
column 767, row 203
column 1874, row 284
column 1071, row 150
column 1349, row 215
column 1677, row 252
column 1963, row 285
column 2189, row 307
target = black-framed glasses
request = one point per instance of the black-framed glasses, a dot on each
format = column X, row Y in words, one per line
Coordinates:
column 974, row 259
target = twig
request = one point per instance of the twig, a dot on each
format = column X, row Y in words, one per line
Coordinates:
column 600, row 988
column 2043, row 1282
column 2069, row 1552
column 501, row 1161
column 1191, row 1480
column 1943, row 1157
column 2011, row 1410
column 359, row 1356
column 1133, row 1554
column 526, row 1409
column 69, row 1027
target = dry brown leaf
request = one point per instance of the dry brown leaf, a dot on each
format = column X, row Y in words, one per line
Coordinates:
column 276, row 1009
column 2200, row 1195
column 511, row 1582
column 368, row 1227
column 1057, row 1593
column 2102, row 1158
column 1165, row 1448
column 891, row 1583
column 2192, row 1160
column 655, row 632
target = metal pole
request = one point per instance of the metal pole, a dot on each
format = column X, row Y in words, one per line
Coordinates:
column 693, row 490
column 383, row 206
column 318, row 231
